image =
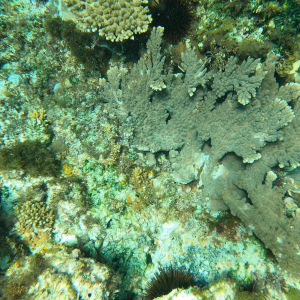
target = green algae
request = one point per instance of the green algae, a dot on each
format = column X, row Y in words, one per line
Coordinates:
column 293, row 294
column 249, row 296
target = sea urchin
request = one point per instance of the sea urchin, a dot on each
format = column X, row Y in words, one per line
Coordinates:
column 176, row 16
column 168, row 279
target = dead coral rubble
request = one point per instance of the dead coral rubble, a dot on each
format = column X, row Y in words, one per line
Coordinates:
column 56, row 274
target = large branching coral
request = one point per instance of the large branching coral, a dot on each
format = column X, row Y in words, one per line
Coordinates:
column 237, row 78
column 144, row 101
column 250, row 124
column 163, row 109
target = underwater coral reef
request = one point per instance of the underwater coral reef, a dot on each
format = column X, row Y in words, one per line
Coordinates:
column 149, row 149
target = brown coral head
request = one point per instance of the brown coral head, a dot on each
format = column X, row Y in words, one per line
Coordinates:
column 176, row 16
column 168, row 279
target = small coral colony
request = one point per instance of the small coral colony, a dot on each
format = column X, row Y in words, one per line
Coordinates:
column 149, row 149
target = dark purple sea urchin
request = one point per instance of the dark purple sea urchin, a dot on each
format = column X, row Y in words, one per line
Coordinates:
column 168, row 279
column 176, row 16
